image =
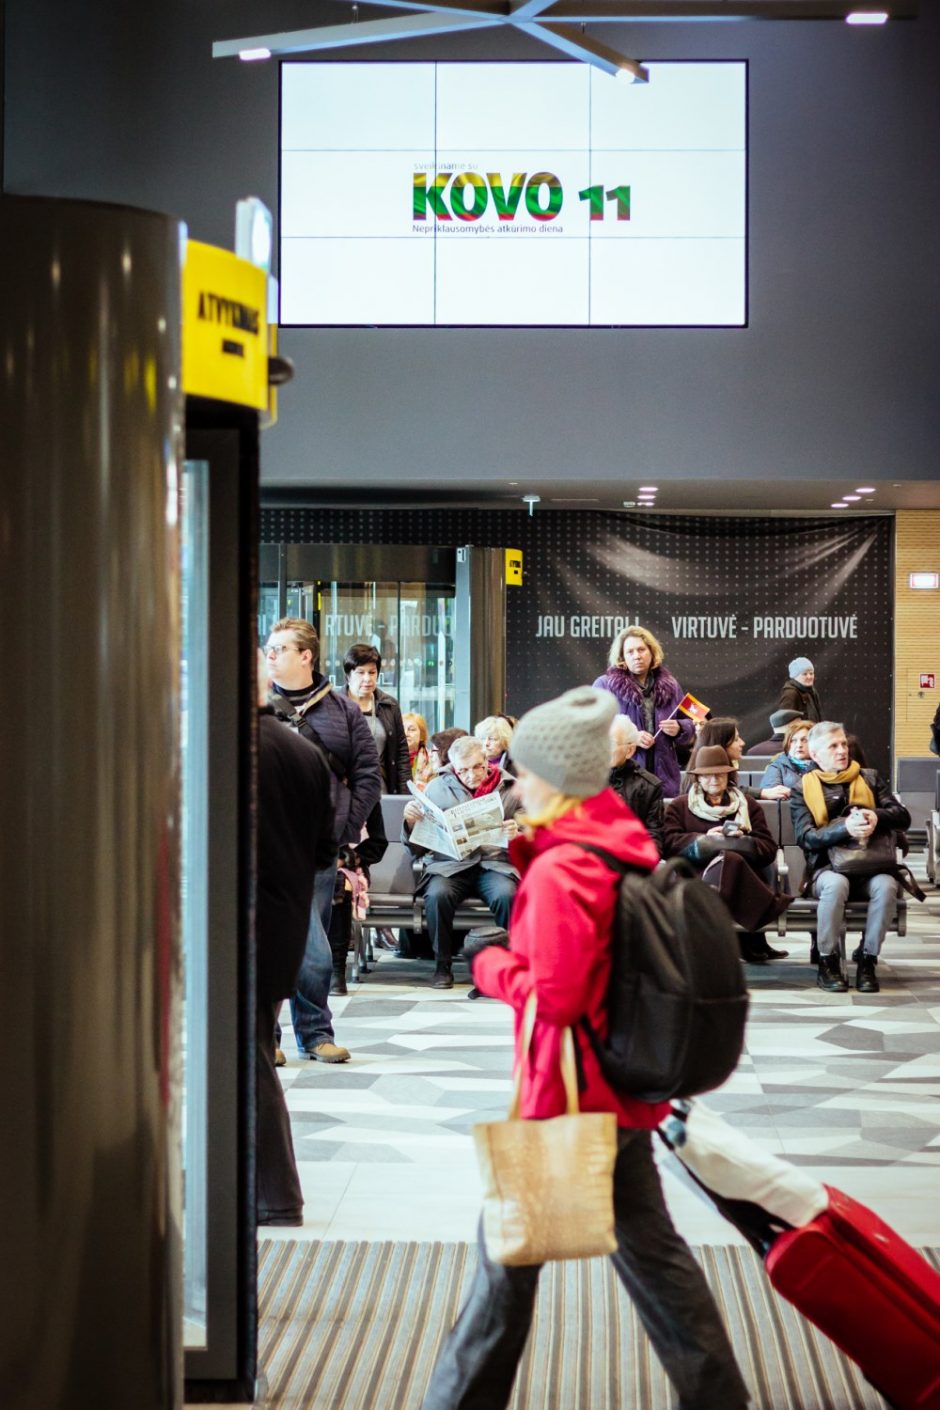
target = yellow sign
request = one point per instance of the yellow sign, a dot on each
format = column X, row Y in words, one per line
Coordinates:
column 225, row 327
column 514, row 567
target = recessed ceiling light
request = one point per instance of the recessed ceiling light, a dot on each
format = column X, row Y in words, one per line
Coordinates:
column 250, row 56
column 840, row 505
column 629, row 504
column 865, row 489
column 648, row 489
column 867, row 17
column 851, row 498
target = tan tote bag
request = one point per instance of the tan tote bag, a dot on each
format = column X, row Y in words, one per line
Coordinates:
column 548, row 1186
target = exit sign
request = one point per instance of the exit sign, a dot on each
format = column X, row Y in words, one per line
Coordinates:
column 928, row 680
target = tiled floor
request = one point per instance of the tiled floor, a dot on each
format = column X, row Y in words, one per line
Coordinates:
column 848, row 1085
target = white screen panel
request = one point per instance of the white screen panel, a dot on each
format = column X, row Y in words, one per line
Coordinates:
column 513, row 194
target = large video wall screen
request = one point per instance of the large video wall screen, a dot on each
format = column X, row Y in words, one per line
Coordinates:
column 513, row 194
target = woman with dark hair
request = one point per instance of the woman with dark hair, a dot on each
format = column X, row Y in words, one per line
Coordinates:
column 649, row 695
column 716, row 819
column 724, row 733
column 362, row 665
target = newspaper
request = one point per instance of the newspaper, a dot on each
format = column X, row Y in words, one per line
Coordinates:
column 458, row 831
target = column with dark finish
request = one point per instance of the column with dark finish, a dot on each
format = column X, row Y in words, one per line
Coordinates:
column 479, row 635
column 90, row 1309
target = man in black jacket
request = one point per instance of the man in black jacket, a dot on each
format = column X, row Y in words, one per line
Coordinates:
column 295, row 838
column 640, row 790
column 382, row 715
column 842, row 805
column 310, row 705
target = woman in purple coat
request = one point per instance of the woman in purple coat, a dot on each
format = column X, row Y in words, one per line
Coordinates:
column 648, row 694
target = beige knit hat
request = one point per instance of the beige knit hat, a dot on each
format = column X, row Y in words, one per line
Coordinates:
column 567, row 741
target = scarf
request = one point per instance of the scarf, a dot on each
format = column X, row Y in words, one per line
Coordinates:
column 860, row 795
column 492, row 781
column 804, row 765
column 619, row 681
column 735, row 808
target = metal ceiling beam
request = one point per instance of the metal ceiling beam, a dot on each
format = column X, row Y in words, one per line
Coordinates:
column 344, row 36
column 521, row 11
column 590, row 51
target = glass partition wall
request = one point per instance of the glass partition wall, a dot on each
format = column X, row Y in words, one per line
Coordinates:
column 409, row 621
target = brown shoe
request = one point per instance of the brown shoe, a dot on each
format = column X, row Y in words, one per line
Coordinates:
column 279, row 1059
column 328, row 1052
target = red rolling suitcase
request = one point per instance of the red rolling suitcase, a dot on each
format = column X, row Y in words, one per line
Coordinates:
column 871, row 1293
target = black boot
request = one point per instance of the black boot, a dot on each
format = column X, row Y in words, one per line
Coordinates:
column 338, row 936
column 830, row 975
column 866, row 980
column 443, row 976
column 755, row 947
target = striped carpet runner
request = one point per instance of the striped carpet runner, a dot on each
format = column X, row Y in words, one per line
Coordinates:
column 350, row 1325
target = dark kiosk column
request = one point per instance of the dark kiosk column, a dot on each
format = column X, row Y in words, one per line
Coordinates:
column 90, row 1312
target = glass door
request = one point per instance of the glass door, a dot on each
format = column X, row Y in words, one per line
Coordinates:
column 409, row 624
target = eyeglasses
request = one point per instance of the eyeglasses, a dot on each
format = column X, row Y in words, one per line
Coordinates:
column 279, row 650
column 472, row 768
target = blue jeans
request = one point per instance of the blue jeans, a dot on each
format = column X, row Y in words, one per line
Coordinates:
column 310, row 1011
column 834, row 890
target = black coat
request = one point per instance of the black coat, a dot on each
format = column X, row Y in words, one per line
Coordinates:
column 295, row 827
column 795, row 696
column 685, row 835
column 816, row 841
column 643, row 794
column 747, row 895
column 395, row 760
column 335, row 723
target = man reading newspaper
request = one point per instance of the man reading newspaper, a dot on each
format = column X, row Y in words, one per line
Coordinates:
column 460, row 826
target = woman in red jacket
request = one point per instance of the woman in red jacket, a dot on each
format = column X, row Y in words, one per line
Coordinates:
column 560, row 946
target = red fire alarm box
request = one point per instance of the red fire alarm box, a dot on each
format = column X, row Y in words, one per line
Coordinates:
column 928, row 680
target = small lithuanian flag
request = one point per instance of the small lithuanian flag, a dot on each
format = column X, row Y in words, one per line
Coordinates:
column 692, row 707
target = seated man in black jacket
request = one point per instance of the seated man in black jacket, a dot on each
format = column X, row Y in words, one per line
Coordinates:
column 840, row 805
column 640, row 790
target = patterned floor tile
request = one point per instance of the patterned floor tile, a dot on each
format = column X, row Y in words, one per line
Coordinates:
column 847, row 1083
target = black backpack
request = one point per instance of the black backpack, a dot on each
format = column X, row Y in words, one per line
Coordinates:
column 677, row 1002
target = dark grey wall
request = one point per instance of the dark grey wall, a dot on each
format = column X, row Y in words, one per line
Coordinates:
column 834, row 378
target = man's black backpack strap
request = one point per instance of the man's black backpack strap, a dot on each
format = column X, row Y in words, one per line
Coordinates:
column 677, row 1002
column 298, row 720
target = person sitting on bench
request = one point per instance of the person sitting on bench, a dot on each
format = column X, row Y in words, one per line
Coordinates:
column 486, row 872
column 838, row 808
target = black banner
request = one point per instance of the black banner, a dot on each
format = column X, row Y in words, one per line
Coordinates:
column 733, row 600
